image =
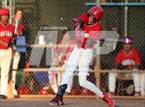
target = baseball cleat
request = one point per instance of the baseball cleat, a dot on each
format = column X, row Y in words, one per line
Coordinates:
column 57, row 101
column 109, row 101
column 137, row 94
column 111, row 94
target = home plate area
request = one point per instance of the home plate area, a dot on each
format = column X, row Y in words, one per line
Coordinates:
column 70, row 102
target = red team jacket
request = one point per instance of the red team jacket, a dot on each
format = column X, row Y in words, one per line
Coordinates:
column 133, row 58
column 94, row 33
column 6, row 34
column 21, row 27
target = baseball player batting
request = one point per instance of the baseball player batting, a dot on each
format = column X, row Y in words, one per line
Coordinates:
column 88, row 29
column 6, row 36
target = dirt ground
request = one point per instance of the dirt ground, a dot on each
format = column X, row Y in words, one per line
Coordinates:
column 69, row 102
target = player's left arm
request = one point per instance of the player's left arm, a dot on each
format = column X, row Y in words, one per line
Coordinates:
column 138, row 62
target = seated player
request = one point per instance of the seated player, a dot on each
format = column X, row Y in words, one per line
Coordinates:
column 128, row 58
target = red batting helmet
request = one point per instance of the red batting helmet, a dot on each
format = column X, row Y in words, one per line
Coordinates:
column 96, row 12
column 4, row 11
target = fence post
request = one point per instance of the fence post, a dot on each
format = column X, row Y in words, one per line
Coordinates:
column 97, row 67
column 126, row 19
column 11, row 5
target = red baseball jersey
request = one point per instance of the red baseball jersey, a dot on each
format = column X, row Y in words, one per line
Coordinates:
column 93, row 32
column 6, row 34
column 132, row 58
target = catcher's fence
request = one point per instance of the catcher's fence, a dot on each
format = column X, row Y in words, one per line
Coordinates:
column 44, row 15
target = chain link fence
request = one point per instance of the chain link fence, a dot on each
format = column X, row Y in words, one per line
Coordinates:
column 44, row 15
column 134, row 22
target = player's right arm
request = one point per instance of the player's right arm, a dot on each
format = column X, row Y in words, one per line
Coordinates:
column 80, row 20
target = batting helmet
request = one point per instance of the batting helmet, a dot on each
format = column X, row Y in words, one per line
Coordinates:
column 96, row 12
column 4, row 11
column 128, row 40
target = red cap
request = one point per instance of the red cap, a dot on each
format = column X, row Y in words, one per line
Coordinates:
column 4, row 11
column 128, row 40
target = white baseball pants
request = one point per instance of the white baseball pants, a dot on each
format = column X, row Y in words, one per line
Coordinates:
column 82, row 58
column 5, row 61
column 138, row 80
column 54, row 82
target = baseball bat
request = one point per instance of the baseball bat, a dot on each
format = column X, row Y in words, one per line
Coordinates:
column 10, row 93
column 16, row 25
